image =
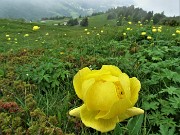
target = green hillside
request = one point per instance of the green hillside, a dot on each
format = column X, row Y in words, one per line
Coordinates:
column 39, row 83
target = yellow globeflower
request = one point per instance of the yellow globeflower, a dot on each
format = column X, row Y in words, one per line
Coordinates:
column 128, row 29
column 7, row 36
column 160, row 27
column 124, row 34
column 129, row 22
column 102, row 31
column 35, row 28
column 26, row 35
column 97, row 34
column 154, row 30
column 88, row 33
column 178, row 31
column 159, row 30
column 108, row 97
column 143, row 33
column 149, row 37
column 139, row 22
column 85, row 29
column 61, row 53
column 173, row 34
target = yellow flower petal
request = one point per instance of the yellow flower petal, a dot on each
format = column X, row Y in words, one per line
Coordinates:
column 118, row 108
column 78, row 80
column 86, row 86
column 115, row 71
column 103, row 125
column 135, row 87
column 101, row 96
column 75, row 112
column 125, row 84
column 130, row 112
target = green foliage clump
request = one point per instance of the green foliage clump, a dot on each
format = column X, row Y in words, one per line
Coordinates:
column 84, row 22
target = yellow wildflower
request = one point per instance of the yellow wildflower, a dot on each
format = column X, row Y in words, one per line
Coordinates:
column 149, row 37
column 26, row 35
column 178, row 31
column 85, row 29
column 154, row 30
column 128, row 29
column 129, row 22
column 35, row 28
column 108, row 97
column 143, row 33
column 124, row 34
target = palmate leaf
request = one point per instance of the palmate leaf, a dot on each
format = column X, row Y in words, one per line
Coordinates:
column 165, row 130
column 134, row 124
column 171, row 90
column 175, row 101
column 150, row 105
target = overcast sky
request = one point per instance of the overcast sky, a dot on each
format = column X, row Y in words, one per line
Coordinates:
column 170, row 7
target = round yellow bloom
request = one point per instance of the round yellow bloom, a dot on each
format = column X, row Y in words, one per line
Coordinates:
column 102, row 31
column 159, row 30
column 129, row 22
column 98, row 34
column 35, row 28
column 143, row 33
column 139, row 22
column 88, row 33
column 128, row 29
column 85, row 29
column 7, row 36
column 124, row 34
column 178, row 31
column 149, row 37
column 154, row 30
column 108, row 97
column 47, row 34
column 26, row 35
column 173, row 34
column 160, row 27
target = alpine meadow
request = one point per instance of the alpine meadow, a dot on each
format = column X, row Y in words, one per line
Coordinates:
column 109, row 73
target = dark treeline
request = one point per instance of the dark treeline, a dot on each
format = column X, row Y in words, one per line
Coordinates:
column 55, row 18
column 138, row 14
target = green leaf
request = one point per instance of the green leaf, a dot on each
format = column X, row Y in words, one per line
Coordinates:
column 165, row 130
column 150, row 105
column 134, row 124
column 1, row 73
column 118, row 130
column 171, row 90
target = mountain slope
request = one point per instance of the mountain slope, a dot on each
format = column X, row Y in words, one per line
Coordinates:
column 36, row 9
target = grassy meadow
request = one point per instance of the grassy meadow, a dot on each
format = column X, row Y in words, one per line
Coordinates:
column 37, row 70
